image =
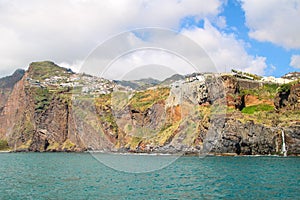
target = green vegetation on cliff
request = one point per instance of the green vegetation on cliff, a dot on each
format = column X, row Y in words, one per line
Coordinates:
column 267, row 91
column 287, row 86
column 141, row 101
column 271, row 118
column 68, row 145
column 104, row 110
column 165, row 134
column 286, row 112
column 42, row 70
column 3, row 145
column 257, row 108
column 42, row 98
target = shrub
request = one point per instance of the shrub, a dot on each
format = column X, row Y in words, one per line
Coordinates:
column 257, row 108
column 143, row 100
column 3, row 145
column 285, row 88
column 42, row 99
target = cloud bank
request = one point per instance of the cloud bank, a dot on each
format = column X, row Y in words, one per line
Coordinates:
column 66, row 32
column 274, row 21
column 226, row 51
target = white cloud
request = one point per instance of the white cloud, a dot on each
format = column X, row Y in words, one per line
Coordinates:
column 274, row 21
column 75, row 66
column 295, row 61
column 144, row 47
column 66, row 31
column 164, row 64
column 225, row 50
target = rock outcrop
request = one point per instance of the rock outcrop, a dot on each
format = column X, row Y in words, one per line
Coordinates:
column 294, row 97
column 7, row 84
column 288, row 97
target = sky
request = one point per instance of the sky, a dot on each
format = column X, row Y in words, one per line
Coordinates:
column 261, row 37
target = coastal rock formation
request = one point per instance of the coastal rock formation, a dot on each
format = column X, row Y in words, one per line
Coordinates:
column 288, row 97
column 50, row 108
column 7, row 84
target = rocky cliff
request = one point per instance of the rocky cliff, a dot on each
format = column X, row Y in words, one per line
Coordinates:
column 53, row 109
column 7, row 84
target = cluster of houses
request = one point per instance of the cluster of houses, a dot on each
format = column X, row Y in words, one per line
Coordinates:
column 189, row 78
column 269, row 79
column 89, row 84
column 292, row 76
column 34, row 83
column 241, row 75
column 93, row 85
column 195, row 76
column 272, row 79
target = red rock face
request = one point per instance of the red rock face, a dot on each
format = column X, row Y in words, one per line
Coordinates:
column 6, row 87
column 15, row 110
column 231, row 87
column 26, row 129
column 251, row 100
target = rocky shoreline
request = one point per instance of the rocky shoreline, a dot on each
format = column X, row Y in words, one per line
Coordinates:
column 163, row 153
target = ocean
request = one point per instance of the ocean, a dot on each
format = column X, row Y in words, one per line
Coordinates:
column 106, row 176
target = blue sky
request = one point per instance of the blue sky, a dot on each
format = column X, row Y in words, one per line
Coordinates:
column 278, row 58
column 261, row 37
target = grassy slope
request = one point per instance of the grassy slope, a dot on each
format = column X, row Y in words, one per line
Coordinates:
column 266, row 114
column 141, row 101
column 43, row 70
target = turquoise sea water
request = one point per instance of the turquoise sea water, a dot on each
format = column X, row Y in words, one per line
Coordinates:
column 81, row 176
